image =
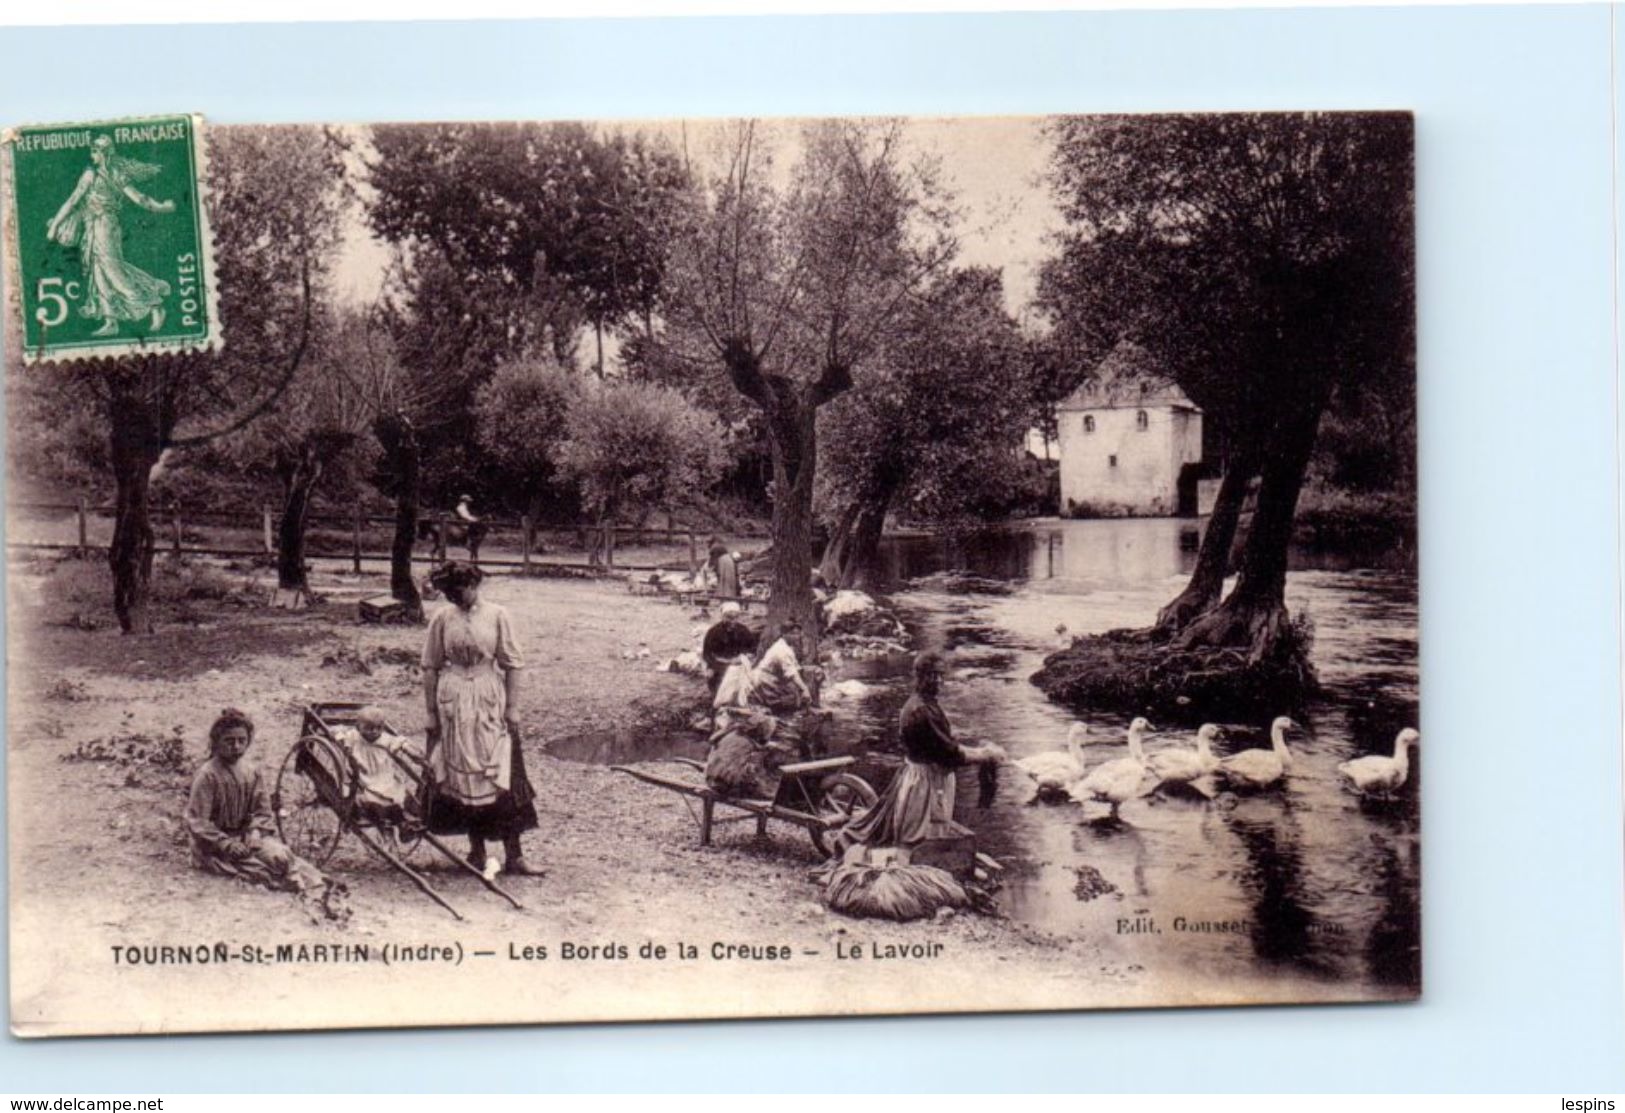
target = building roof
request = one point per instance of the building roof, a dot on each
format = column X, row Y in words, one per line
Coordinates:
column 1125, row 379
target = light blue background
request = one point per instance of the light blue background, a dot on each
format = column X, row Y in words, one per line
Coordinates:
column 1520, row 558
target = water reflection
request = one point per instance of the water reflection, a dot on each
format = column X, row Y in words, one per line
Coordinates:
column 1323, row 884
column 1122, row 550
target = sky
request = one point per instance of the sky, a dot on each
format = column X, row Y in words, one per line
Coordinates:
column 992, row 165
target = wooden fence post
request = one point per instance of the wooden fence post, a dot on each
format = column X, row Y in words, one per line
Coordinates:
column 609, row 544
column 524, row 541
column 356, row 550
column 84, row 531
column 265, row 525
column 175, row 520
column 693, row 555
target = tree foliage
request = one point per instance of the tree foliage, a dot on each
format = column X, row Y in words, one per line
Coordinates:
column 532, row 224
column 638, row 446
column 791, row 288
column 1265, row 262
column 1254, row 257
column 275, row 198
column 520, row 422
column 935, row 428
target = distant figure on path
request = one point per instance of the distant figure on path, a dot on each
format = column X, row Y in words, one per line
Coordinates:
column 727, row 571
column 466, row 530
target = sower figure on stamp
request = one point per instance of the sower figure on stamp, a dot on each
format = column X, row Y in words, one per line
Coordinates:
column 116, row 289
column 228, row 815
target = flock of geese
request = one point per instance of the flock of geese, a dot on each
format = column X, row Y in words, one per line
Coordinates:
column 1063, row 774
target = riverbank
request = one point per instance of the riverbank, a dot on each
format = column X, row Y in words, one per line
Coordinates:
column 99, row 858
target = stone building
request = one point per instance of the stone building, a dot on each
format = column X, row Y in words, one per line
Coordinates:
column 1130, row 444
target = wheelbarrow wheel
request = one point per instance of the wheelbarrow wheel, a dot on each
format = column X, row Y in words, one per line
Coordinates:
column 312, row 798
column 844, row 796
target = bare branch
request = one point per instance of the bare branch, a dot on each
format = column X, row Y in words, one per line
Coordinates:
column 295, row 360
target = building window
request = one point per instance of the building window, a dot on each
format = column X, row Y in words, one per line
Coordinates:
column 1142, row 421
column 1111, row 461
column 1088, row 423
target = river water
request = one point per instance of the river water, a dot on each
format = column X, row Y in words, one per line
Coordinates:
column 1305, row 882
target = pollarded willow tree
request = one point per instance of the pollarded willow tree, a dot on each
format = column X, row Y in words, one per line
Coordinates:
column 275, row 198
column 1265, row 262
column 310, row 438
column 936, row 426
column 791, row 286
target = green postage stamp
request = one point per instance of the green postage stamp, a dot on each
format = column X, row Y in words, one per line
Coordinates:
column 107, row 238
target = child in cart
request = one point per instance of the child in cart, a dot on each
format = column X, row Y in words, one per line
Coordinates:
column 385, row 790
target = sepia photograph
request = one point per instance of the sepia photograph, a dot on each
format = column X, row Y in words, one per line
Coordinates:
column 538, row 572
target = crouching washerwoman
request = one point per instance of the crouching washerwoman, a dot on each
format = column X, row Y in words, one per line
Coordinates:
column 919, row 805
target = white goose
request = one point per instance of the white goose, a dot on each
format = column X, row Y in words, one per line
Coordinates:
column 1118, row 780
column 1054, row 771
column 1379, row 776
column 1260, row 768
column 1184, row 766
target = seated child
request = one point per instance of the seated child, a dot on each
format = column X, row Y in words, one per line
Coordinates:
column 385, row 789
column 228, row 815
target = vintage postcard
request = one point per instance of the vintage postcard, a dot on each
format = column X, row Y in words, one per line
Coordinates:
column 538, row 572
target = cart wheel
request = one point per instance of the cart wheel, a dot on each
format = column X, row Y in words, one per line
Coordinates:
column 312, row 799
column 845, row 796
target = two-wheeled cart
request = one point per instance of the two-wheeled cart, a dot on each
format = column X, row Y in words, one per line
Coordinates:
column 319, row 797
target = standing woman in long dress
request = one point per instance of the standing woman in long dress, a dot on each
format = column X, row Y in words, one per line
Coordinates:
column 471, row 667
column 115, row 289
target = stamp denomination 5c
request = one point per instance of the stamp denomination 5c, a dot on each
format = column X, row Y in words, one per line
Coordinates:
column 108, row 237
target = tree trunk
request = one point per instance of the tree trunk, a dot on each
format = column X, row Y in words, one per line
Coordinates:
column 795, row 462
column 293, row 587
column 136, row 443
column 402, row 464
column 852, row 556
column 833, row 566
column 1254, row 617
column 791, row 409
column 401, row 584
column 535, row 507
column 1213, row 559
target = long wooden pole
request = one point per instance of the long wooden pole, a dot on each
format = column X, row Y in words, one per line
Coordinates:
column 459, row 860
column 417, row 878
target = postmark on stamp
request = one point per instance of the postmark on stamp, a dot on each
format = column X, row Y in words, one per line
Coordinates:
column 108, row 239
